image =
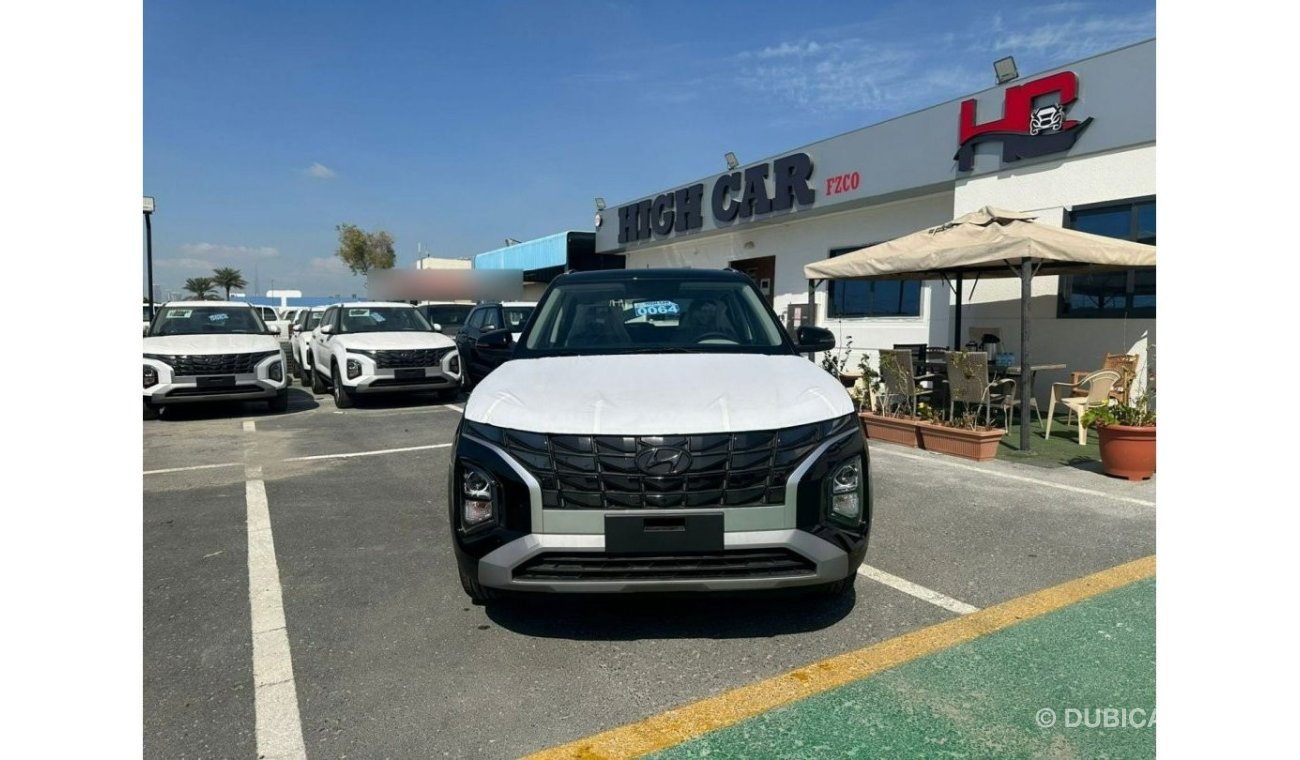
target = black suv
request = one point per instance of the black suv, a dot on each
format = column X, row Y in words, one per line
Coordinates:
column 487, row 317
column 658, row 430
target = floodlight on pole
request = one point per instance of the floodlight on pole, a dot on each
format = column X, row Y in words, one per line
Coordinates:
column 732, row 163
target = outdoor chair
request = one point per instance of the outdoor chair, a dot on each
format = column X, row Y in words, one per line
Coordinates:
column 1125, row 364
column 1096, row 386
column 969, row 384
column 902, row 384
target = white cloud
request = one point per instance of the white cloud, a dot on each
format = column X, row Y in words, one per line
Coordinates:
column 320, row 171
column 224, row 253
column 330, row 265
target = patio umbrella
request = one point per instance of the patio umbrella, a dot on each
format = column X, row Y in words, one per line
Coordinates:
column 990, row 242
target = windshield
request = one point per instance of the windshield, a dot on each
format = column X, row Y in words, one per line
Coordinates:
column 448, row 316
column 200, row 320
column 364, row 319
column 650, row 316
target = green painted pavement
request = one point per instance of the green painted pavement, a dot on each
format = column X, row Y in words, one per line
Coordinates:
column 983, row 698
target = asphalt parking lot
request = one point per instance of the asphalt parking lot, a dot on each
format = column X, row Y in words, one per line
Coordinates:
column 378, row 652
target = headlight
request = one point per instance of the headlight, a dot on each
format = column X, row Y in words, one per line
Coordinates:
column 478, row 496
column 277, row 370
column 354, row 369
column 150, row 376
column 846, row 491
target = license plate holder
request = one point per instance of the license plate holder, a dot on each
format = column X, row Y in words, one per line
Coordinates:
column 654, row 534
column 217, row 381
column 408, row 374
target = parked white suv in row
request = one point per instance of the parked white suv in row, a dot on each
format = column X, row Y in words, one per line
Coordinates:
column 381, row 347
column 203, row 351
column 300, row 333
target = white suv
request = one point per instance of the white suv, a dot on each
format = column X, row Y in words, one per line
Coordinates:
column 199, row 351
column 300, row 331
column 381, row 347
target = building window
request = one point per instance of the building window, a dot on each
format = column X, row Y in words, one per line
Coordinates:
column 873, row 298
column 1113, row 295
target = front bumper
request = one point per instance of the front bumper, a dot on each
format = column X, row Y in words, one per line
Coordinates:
column 527, row 547
column 189, row 389
column 512, row 565
column 374, row 380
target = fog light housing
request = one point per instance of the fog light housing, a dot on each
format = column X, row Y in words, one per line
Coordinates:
column 150, row 376
column 354, row 369
column 478, row 497
column 454, row 364
column 276, row 371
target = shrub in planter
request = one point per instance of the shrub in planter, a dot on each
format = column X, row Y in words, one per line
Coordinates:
column 961, row 436
column 1126, row 435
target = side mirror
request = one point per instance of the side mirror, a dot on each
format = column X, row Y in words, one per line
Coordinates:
column 437, row 327
column 496, row 339
column 272, row 330
column 326, row 329
column 813, row 340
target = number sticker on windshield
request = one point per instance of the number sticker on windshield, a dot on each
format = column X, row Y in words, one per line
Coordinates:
column 218, row 317
column 657, row 308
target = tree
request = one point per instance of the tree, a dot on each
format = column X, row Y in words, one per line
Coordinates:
column 200, row 287
column 228, row 278
column 363, row 251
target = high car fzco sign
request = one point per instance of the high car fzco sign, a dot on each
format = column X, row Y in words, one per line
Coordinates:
column 1023, row 130
column 737, row 195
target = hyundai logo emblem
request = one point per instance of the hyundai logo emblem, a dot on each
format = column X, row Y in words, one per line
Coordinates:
column 663, row 460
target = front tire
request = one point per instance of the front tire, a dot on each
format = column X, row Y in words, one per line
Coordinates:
column 836, row 589
column 151, row 410
column 478, row 594
column 317, row 384
column 304, row 372
column 343, row 398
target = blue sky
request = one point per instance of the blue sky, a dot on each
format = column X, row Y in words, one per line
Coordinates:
column 456, row 125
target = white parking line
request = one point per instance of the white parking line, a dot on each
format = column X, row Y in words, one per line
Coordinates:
column 993, row 473
column 367, row 453
column 275, row 696
column 920, row 592
column 195, row 467
column 453, row 406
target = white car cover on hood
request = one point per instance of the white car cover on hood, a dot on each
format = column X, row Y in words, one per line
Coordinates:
column 649, row 394
column 394, row 341
column 221, row 343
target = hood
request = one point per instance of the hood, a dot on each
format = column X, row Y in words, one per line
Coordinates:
column 648, row 394
column 393, row 341
column 210, row 344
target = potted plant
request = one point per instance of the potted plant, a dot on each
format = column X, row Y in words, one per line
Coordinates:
column 836, row 362
column 960, row 436
column 877, row 423
column 1126, row 433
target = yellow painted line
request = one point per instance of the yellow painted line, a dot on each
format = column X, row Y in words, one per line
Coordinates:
column 676, row 726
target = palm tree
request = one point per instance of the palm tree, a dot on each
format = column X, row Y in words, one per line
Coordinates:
column 200, row 287
column 228, row 278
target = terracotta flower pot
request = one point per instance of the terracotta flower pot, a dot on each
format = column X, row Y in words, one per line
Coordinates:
column 979, row 445
column 900, row 430
column 1128, row 452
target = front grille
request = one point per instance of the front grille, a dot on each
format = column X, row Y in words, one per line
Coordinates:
column 409, row 359
column 746, row 563
column 188, row 365
column 662, row 471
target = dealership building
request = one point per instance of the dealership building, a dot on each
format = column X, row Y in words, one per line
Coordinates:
column 1075, row 146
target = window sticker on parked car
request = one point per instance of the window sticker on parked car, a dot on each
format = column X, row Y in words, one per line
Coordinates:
column 358, row 312
column 179, row 313
column 218, row 317
column 657, row 308
column 377, row 317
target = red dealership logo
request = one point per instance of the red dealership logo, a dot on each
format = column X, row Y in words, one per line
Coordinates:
column 1025, row 130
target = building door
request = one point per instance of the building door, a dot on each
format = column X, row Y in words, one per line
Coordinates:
column 762, row 270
